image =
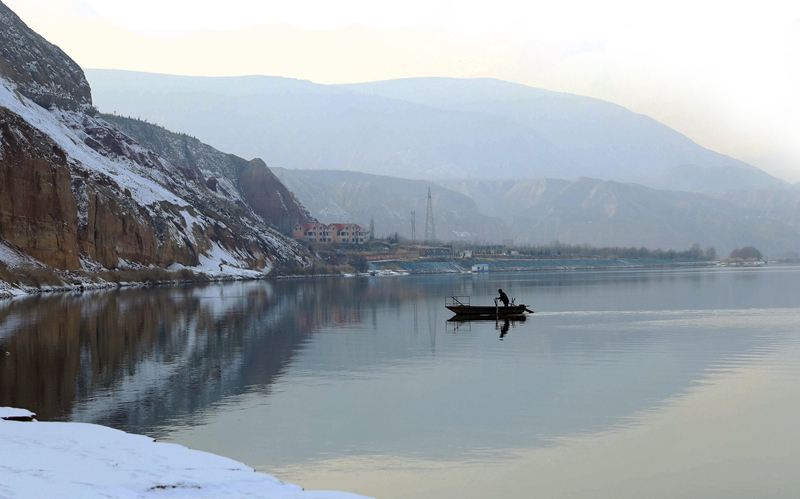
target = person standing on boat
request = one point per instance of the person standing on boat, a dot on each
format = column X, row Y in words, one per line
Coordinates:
column 503, row 297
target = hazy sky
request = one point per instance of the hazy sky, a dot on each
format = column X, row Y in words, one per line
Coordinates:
column 724, row 74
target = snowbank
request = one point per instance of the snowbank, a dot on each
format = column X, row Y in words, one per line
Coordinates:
column 78, row 460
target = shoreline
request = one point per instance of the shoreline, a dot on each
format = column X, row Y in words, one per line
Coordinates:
column 9, row 291
column 82, row 460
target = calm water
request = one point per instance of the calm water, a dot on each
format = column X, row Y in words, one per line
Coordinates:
column 624, row 384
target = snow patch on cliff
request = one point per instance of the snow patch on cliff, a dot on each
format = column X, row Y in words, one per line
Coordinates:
column 146, row 191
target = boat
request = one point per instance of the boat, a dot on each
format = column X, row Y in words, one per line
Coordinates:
column 461, row 306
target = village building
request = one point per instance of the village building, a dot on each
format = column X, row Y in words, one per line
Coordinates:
column 312, row 232
column 337, row 233
column 346, row 233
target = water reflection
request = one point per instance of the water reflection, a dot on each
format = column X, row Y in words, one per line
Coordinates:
column 461, row 323
column 285, row 374
column 138, row 359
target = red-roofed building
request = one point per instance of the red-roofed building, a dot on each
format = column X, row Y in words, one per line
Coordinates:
column 346, row 233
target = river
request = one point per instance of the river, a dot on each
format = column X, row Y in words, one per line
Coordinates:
column 623, row 384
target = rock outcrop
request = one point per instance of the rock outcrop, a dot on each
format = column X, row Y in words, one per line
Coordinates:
column 41, row 71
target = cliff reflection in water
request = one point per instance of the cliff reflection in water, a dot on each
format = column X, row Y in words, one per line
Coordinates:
column 136, row 359
column 150, row 359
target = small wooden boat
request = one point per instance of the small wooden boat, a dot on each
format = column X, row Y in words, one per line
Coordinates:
column 460, row 305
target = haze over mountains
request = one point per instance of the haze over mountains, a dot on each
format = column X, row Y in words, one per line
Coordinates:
column 426, row 128
column 597, row 212
column 504, row 160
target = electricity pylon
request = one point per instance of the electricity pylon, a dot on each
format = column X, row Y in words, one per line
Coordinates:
column 430, row 230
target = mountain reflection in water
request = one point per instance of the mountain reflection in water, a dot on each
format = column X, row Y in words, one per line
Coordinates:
column 135, row 359
column 284, row 374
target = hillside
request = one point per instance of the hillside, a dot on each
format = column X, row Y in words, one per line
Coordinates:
column 80, row 194
column 337, row 196
column 539, row 211
column 779, row 205
column 263, row 192
column 429, row 128
column 599, row 139
column 607, row 213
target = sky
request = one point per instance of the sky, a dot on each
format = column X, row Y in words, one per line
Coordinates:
column 724, row 75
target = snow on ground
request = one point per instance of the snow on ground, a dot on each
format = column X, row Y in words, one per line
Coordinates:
column 221, row 262
column 78, row 460
column 14, row 413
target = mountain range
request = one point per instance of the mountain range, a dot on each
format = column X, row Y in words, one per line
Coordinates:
column 89, row 191
column 539, row 211
column 425, row 128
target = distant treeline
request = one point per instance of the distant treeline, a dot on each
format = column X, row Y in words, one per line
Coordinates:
column 746, row 253
column 557, row 249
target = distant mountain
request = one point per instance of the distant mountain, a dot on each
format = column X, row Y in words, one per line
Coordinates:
column 607, row 213
column 779, row 205
column 597, row 138
column 432, row 128
column 539, row 211
column 341, row 196
column 785, row 161
column 80, row 194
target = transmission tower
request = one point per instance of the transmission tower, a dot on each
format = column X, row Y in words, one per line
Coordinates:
column 430, row 231
column 413, row 228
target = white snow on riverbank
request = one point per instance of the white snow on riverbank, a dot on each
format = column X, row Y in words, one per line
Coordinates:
column 78, row 460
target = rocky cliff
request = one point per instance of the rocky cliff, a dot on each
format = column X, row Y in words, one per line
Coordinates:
column 38, row 212
column 78, row 193
column 41, row 71
column 252, row 182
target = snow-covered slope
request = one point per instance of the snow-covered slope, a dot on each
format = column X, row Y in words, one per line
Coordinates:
column 78, row 193
column 251, row 182
column 175, row 218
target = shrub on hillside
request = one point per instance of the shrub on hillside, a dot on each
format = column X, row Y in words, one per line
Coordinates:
column 38, row 277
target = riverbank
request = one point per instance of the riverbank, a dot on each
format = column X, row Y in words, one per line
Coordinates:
column 433, row 266
column 36, row 281
column 83, row 461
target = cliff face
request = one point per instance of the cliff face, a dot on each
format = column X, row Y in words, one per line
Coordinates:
column 77, row 192
column 37, row 210
column 251, row 182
